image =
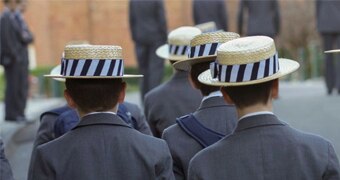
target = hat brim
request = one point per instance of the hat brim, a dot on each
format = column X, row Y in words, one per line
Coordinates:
column 287, row 66
column 163, row 52
column 333, row 51
column 185, row 65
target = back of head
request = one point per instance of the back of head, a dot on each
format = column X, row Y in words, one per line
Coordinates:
column 94, row 95
column 195, row 71
column 249, row 95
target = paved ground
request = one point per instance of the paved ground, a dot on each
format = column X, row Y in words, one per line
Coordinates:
column 303, row 105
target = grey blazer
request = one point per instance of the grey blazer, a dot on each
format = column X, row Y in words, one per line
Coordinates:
column 262, row 147
column 263, row 17
column 147, row 21
column 214, row 114
column 46, row 134
column 211, row 10
column 172, row 99
column 328, row 16
column 5, row 168
column 102, row 146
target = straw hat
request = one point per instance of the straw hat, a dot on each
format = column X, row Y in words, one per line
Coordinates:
column 92, row 61
column 178, row 43
column 203, row 48
column 245, row 61
column 207, row 27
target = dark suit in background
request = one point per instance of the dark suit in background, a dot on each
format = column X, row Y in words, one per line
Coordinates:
column 263, row 17
column 110, row 150
column 15, row 37
column 214, row 114
column 328, row 24
column 5, row 168
column 149, row 31
column 263, row 147
column 169, row 101
column 211, row 10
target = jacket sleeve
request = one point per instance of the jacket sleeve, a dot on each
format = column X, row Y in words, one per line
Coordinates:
column 41, row 169
column 9, row 33
column 142, row 124
column 333, row 167
column 132, row 20
column 164, row 168
column 223, row 13
column 240, row 17
column 277, row 18
column 162, row 20
column 5, row 168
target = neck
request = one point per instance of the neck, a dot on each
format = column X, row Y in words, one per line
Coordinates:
column 82, row 114
column 254, row 108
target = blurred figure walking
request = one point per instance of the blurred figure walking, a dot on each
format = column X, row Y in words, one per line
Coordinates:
column 328, row 24
column 211, row 10
column 149, row 31
column 15, row 37
column 263, row 17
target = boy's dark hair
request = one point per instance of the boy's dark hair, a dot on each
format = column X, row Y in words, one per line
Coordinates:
column 92, row 95
column 244, row 96
column 195, row 71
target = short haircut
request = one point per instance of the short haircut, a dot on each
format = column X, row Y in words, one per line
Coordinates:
column 94, row 95
column 195, row 71
column 245, row 96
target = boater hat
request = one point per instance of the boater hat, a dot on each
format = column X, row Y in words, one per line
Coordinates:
column 178, row 43
column 203, row 48
column 207, row 27
column 245, row 61
column 91, row 62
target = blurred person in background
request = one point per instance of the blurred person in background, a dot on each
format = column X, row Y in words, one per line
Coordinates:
column 15, row 38
column 211, row 10
column 328, row 24
column 148, row 31
column 263, row 17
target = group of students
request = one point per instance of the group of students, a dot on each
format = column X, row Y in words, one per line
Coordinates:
column 225, row 129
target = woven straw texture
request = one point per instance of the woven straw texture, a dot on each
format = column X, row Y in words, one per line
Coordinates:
column 246, row 50
column 183, row 35
column 93, row 52
column 214, row 37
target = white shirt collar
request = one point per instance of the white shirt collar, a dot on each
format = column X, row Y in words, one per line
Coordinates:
column 213, row 94
column 108, row 112
column 255, row 114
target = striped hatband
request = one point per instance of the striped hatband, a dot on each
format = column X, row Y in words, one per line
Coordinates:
column 247, row 60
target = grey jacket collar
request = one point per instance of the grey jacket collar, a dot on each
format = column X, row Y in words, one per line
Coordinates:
column 213, row 102
column 180, row 75
column 101, row 119
column 258, row 121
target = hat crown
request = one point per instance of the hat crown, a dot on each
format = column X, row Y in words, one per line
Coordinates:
column 93, row 52
column 246, row 50
column 213, row 37
column 183, row 35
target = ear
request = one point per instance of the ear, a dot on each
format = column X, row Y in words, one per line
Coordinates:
column 122, row 93
column 192, row 82
column 226, row 96
column 275, row 89
column 69, row 99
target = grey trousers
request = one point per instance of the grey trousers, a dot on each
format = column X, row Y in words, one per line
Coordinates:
column 332, row 61
column 150, row 65
column 16, row 91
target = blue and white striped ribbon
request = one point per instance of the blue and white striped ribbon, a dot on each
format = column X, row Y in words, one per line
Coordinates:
column 245, row 72
column 203, row 50
column 92, row 67
column 178, row 50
